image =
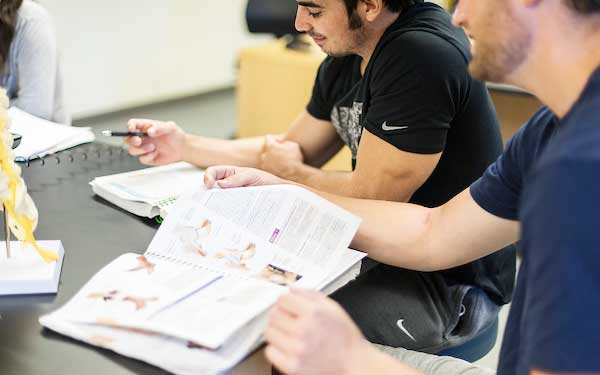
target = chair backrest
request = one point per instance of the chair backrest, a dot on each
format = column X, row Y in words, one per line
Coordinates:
column 271, row 16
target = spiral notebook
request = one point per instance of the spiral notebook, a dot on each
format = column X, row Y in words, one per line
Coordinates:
column 220, row 259
column 42, row 137
column 148, row 192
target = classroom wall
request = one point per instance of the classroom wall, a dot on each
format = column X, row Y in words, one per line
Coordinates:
column 122, row 53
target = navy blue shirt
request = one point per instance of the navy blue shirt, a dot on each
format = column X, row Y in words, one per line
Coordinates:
column 548, row 178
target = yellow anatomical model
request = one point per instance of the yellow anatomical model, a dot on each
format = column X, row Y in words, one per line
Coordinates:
column 22, row 215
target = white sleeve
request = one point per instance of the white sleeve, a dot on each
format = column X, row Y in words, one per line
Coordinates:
column 37, row 63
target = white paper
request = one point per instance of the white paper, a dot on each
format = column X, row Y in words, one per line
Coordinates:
column 181, row 356
column 41, row 137
column 132, row 288
column 303, row 224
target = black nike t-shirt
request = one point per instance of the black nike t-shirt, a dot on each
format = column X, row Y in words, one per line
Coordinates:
column 417, row 95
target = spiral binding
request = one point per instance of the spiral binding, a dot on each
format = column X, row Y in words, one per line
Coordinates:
column 204, row 267
column 82, row 152
column 186, row 263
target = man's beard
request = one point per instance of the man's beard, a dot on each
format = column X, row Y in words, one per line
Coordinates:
column 359, row 35
column 494, row 62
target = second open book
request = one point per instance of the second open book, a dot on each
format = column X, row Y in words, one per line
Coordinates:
column 221, row 258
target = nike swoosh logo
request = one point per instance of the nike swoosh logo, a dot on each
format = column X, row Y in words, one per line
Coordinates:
column 390, row 128
column 400, row 324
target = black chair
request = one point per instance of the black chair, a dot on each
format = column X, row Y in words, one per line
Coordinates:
column 274, row 17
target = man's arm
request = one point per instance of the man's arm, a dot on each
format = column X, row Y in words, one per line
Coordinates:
column 315, row 142
column 168, row 143
column 317, row 139
column 382, row 171
column 402, row 234
column 427, row 239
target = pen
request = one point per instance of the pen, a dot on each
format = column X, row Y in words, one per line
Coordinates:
column 110, row 133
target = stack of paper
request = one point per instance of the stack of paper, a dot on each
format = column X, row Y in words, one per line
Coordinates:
column 42, row 137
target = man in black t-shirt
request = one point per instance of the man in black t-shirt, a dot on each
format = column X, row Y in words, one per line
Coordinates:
column 396, row 89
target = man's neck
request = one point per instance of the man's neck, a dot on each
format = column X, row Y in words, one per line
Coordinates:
column 375, row 34
column 558, row 75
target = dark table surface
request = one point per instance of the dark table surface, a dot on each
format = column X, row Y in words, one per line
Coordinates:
column 93, row 233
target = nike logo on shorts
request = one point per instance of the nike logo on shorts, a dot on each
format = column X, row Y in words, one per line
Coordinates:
column 388, row 128
column 400, row 324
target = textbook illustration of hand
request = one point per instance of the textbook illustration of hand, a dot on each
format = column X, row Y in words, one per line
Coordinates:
column 143, row 264
column 238, row 258
column 193, row 237
column 21, row 213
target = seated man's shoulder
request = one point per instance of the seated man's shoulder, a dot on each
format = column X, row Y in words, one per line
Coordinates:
column 423, row 51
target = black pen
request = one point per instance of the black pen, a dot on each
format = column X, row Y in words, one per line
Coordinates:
column 110, row 133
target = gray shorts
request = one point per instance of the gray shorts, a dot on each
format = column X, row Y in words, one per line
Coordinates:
column 433, row 365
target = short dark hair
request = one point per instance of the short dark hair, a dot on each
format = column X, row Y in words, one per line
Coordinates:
column 584, row 6
column 8, row 22
column 392, row 5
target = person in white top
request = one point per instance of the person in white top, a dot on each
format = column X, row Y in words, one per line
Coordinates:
column 29, row 61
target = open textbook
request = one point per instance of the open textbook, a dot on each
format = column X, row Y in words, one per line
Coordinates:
column 218, row 262
column 148, row 192
column 42, row 137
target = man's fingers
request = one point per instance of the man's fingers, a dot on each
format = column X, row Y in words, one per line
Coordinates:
column 282, row 321
column 152, row 127
column 209, row 180
column 149, row 158
column 158, row 129
column 280, row 339
column 133, row 141
column 237, row 180
column 295, row 304
column 278, row 359
column 138, row 124
column 217, row 173
column 143, row 149
column 270, row 141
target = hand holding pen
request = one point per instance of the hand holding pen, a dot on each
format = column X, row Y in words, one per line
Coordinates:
column 155, row 142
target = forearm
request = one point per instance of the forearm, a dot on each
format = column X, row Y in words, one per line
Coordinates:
column 427, row 239
column 325, row 181
column 346, row 184
column 205, row 152
column 392, row 233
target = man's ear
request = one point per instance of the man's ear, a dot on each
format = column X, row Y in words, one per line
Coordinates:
column 371, row 9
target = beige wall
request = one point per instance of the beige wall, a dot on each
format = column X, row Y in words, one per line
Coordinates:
column 123, row 53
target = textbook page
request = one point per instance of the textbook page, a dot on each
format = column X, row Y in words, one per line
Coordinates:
column 304, row 225
column 132, row 288
column 262, row 239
